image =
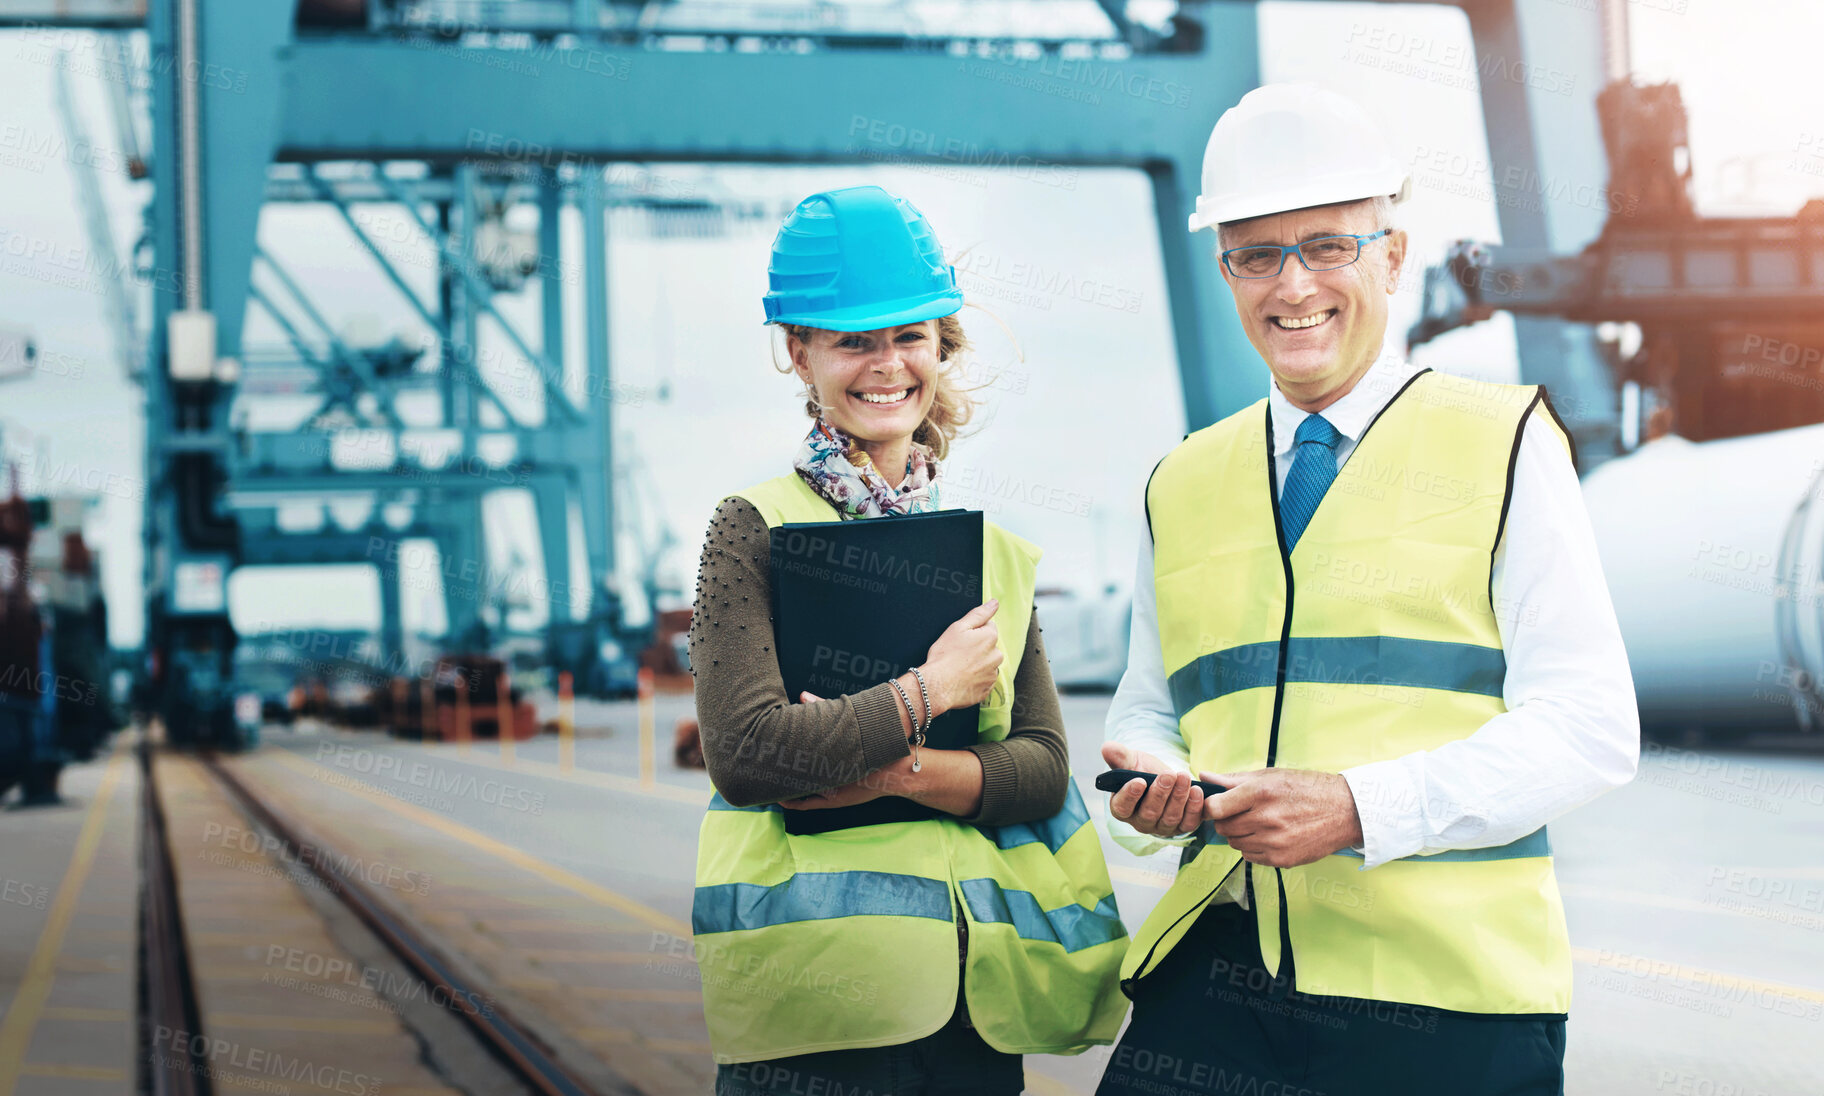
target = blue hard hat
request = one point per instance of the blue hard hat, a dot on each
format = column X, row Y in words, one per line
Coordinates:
column 857, row 259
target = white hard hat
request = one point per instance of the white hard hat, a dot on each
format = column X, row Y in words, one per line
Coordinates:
column 1290, row 146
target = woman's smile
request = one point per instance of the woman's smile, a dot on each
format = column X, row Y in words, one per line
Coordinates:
column 885, row 397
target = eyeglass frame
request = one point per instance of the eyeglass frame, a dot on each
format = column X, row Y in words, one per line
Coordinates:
column 1294, row 248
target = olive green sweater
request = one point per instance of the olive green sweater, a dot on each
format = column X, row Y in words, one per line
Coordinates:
column 761, row 746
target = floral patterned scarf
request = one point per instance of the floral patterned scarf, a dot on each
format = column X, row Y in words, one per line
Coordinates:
column 839, row 470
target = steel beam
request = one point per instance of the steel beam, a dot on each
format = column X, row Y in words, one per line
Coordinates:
column 464, row 365
column 595, row 473
column 1542, row 63
column 350, row 359
column 557, row 405
column 553, row 503
column 1151, row 112
column 336, row 389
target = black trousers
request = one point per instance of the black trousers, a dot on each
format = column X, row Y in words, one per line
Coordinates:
column 952, row 1061
column 1211, row 1020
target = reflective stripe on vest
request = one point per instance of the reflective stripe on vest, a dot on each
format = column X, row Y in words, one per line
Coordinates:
column 1374, row 638
column 821, row 942
column 1340, row 660
column 1533, row 844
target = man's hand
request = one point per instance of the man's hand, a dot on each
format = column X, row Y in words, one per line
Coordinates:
column 1281, row 818
column 1172, row 807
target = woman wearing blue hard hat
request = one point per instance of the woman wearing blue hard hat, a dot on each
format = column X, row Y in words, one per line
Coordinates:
column 914, row 955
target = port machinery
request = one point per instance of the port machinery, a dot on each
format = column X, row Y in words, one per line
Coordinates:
column 431, row 107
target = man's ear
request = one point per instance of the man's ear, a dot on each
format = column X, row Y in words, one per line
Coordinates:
column 1396, row 258
column 1222, row 267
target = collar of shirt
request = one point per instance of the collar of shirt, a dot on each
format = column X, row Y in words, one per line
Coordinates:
column 1352, row 413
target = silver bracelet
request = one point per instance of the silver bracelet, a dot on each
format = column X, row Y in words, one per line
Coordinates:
column 910, row 714
column 918, row 734
column 924, row 696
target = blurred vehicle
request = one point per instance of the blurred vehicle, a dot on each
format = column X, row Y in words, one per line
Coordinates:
column 597, row 656
column 269, row 681
column 55, row 665
column 1085, row 636
column 476, row 678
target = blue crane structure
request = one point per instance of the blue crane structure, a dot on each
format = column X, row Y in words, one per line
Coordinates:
column 449, row 109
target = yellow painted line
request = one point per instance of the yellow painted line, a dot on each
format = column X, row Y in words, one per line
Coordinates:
column 1785, row 871
column 323, row 1024
column 63, row 1012
column 72, row 1073
column 526, row 862
column 1698, row 976
column 593, row 778
column 41, row 970
column 630, row 785
column 112, row 935
column 1658, row 901
column 1047, row 1086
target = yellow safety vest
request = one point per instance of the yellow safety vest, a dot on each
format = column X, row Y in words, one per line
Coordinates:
column 1375, row 637
column 847, row 939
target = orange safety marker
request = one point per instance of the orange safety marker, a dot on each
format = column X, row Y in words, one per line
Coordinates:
column 462, row 712
column 503, row 718
column 648, row 749
column 566, row 722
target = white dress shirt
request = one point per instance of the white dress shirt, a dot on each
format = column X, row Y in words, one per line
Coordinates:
column 1571, row 730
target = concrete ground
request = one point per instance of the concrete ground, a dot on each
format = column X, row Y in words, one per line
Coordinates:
column 68, row 934
column 1694, row 897
column 282, row 1001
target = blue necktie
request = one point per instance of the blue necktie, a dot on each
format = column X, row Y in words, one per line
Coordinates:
column 1313, row 470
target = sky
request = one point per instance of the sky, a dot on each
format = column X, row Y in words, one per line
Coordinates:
column 706, row 414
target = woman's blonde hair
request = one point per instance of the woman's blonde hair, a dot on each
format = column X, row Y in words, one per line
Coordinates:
column 954, row 403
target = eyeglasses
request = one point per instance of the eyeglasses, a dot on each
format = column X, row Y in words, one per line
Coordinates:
column 1322, row 253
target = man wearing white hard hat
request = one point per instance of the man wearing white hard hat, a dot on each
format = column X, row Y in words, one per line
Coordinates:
column 1370, row 607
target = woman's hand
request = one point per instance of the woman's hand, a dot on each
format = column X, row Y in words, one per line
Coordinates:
column 962, row 665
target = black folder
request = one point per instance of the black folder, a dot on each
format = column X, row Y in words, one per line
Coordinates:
column 857, row 602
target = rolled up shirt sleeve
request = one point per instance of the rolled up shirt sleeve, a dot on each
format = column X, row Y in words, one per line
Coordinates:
column 1572, row 729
